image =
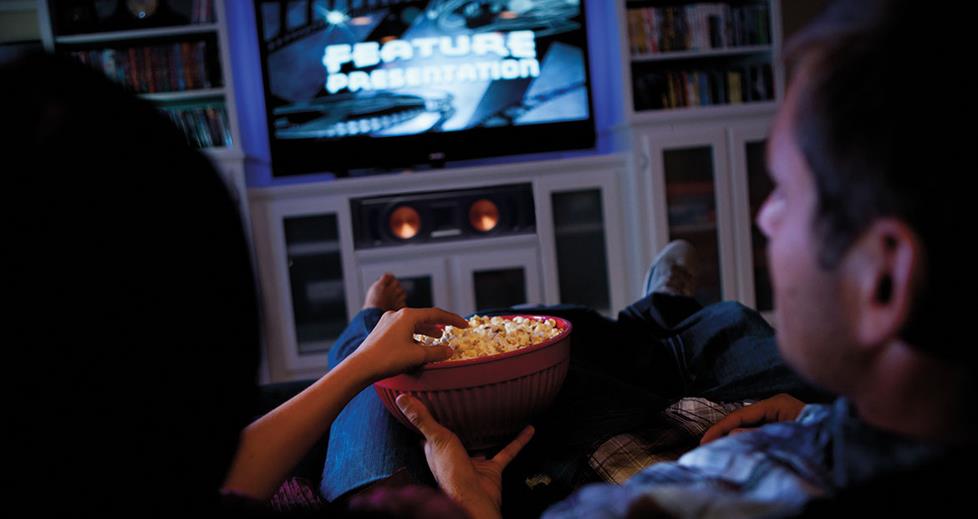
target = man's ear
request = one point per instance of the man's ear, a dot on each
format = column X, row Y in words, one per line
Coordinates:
column 885, row 266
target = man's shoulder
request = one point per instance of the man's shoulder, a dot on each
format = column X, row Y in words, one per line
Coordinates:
column 772, row 470
column 941, row 485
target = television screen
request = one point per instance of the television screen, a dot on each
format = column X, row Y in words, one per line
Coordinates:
column 394, row 83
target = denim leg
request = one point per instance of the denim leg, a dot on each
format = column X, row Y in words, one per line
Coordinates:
column 659, row 313
column 672, row 347
column 631, row 350
column 366, row 444
column 354, row 333
column 728, row 352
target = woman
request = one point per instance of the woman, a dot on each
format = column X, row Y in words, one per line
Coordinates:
column 134, row 349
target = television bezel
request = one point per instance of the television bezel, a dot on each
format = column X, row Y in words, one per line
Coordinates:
column 350, row 154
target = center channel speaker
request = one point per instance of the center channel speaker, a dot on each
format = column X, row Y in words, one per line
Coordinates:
column 460, row 214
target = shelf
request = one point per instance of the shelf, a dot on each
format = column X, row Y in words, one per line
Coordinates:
column 186, row 95
column 700, row 54
column 158, row 32
column 223, row 153
column 704, row 112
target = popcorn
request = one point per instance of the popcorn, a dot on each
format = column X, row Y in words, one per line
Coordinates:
column 491, row 335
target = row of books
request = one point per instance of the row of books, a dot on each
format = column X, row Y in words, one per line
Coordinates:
column 160, row 68
column 202, row 11
column 205, row 126
column 697, row 27
column 718, row 86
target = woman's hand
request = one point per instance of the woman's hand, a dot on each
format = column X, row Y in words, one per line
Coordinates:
column 474, row 483
column 778, row 408
column 391, row 349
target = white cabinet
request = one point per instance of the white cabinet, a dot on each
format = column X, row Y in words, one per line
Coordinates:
column 308, row 281
column 688, row 195
column 705, row 183
column 424, row 278
column 461, row 277
column 583, row 253
column 314, row 280
column 701, row 82
column 502, row 275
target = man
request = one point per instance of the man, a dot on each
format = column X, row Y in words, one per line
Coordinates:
column 862, row 259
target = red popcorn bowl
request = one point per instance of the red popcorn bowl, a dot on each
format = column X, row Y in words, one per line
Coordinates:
column 486, row 400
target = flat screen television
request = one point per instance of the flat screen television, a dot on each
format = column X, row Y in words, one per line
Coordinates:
column 379, row 84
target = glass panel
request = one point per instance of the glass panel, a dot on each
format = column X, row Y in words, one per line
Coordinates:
column 691, row 201
column 418, row 291
column 316, row 278
column 582, row 262
column 297, row 15
column 499, row 288
column 760, row 186
column 271, row 21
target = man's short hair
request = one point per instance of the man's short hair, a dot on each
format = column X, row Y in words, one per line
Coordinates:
column 884, row 120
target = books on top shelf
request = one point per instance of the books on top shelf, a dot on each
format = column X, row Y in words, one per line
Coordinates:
column 202, row 11
column 204, row 125
column 703, row 26
column 170, row 67
column 156, row 50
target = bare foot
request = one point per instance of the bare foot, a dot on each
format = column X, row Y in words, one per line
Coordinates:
column 386, row 293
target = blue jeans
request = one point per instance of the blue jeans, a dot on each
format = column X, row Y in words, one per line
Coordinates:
column 622, row 374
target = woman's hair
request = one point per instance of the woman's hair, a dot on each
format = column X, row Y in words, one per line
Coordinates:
column 136, row 343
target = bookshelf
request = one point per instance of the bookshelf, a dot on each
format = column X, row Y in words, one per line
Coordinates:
column 173, row 53
column 701, row 81
column 693, row 59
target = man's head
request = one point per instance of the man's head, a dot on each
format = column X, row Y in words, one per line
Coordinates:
column 869, row 176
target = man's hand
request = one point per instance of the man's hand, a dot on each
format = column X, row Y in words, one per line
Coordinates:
column 778, row 408
column 391, row 349
column 475, row 483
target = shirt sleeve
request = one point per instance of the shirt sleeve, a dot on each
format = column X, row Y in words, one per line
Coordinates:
column 774, row 470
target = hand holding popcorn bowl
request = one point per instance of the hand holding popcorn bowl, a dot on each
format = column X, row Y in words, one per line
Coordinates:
column 503, row 371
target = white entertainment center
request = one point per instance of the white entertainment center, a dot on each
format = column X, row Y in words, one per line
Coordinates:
column 686, row 161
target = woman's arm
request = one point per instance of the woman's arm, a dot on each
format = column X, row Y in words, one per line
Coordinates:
column 275, row 443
